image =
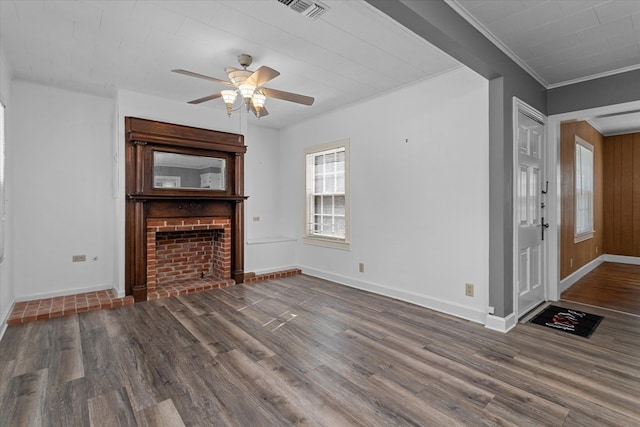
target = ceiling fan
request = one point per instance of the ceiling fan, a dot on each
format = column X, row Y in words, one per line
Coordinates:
column 249, row 84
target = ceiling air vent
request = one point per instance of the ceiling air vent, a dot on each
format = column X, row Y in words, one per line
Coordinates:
column 309, row 8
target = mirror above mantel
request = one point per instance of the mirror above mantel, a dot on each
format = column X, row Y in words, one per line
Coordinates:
column 184, row 171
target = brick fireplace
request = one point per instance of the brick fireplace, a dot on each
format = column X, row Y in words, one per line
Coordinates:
column 187, row 248
column 179, row 227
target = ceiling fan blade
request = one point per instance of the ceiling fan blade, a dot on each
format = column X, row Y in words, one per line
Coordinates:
column 263, row 111
column 202, row 76
column 206, row 98
column 262, row 75
column 287, row 96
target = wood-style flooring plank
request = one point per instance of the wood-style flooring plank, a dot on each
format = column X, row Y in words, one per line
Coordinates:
column 100, row 360
column 6, row 374
column 143, row 375
column 28, row 360
column 13, row 337
column 198, row 326
column 306, row 351
column 293, row 401
column 112, row 409
column 356, row 394
column 23, row 402
column 66, row 354
column 164, row 414
column 66, row 404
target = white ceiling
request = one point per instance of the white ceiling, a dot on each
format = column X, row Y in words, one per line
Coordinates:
column 350, row 53
column 616, row 124
column 561, row 42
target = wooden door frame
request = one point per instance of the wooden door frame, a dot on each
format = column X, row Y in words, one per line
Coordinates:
column 519, row 105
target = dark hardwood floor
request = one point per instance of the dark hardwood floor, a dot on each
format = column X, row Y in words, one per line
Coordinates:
column 304, row 351
column 611, row 285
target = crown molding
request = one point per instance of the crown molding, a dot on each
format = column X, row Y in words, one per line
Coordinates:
column 595, row 76
column 455, row 5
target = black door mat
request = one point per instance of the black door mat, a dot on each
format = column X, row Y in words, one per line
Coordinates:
column 568, row 320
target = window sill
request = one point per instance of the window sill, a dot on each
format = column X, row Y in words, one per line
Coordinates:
column 582, row 237
column 327, row 243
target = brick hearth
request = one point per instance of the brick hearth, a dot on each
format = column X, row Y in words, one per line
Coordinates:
column 47, row 308
column 68, row 305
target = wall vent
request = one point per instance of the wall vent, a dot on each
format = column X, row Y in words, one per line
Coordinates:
column 309, row 8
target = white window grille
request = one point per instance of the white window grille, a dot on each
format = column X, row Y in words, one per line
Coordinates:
column 327, row 199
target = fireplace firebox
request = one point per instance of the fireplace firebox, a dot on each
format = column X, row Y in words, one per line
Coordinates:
column 185, row 204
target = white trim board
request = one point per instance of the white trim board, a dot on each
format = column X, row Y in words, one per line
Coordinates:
column 5, row 319
column 568, row 281
column 500, row 324
column 622, row 259
column 442, row 306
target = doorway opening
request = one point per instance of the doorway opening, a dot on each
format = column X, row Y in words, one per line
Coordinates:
column 559, row 281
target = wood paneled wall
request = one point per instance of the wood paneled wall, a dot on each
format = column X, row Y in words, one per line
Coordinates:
column 622, row 195
column 575, row 255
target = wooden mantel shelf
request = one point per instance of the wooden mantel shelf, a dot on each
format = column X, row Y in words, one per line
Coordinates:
column 186, row 197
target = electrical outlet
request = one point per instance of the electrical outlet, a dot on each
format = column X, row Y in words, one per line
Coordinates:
column 468, row 289
column 361, row 267
column 79, row 258
column 256, row 218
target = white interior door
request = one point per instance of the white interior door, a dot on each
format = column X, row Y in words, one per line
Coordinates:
column 530, row 207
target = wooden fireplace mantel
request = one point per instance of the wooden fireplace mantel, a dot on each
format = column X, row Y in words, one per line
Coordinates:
column 145, row 200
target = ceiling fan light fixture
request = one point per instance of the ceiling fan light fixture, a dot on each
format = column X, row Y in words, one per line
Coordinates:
column 246, row 91
column 250, row 85
column 258, row 100
column 229, row 97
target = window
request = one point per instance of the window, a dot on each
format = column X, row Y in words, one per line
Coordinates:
column 327, row 195
column 584, row 190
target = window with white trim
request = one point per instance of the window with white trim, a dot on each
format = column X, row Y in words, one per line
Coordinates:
column 327, row 195
column 583, row 190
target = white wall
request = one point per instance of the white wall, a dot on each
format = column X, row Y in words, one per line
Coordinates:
column 419, row 208
column 419, row 193
column 61, row 187
column 267, row 249
column 261, row 173
column 7, row 296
